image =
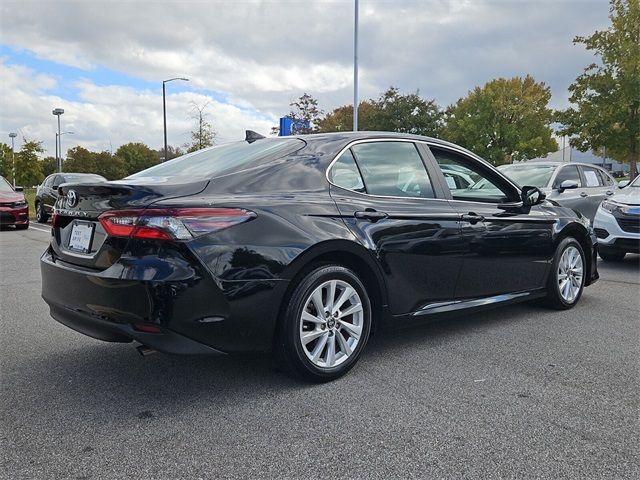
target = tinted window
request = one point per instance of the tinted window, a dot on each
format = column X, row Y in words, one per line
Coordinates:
column 345, row 174
column 49, row 181
column 224, row 159
column 57, row 180
column 592, row 177
column 467, row 180
column 393, row 169
column 568, row 172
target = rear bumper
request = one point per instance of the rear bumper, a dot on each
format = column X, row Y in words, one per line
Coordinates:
column 194, row 312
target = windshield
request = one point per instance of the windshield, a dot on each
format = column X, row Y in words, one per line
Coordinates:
column 223, row 159
column 530, row 175
column 636, row 182
column 5, row 187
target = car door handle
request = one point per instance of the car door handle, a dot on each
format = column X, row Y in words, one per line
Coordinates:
column 472, row 218
column 372, row 215
column 609, row 192
column 584, row 194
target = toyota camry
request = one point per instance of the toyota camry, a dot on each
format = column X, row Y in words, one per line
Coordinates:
column 304, row 245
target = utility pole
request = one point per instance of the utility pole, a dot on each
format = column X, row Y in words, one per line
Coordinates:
column 13, row 157
column 355, row 68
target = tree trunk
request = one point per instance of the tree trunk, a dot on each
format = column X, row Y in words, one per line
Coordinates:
column 633, row 161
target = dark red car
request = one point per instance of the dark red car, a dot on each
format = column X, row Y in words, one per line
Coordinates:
column 14, row 209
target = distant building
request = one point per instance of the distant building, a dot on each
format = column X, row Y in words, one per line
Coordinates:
column 572, row 155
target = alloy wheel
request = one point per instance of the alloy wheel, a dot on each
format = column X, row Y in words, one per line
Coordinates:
column 570, row 273
column 331, row 323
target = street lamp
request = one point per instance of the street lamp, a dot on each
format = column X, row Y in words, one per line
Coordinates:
column 57, row 112
column 13, row 157
column 164, row 110
column 58, row 135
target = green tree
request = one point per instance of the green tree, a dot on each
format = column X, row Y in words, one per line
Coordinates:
column 172, row 152
column 606, row 96
column 109, row 166
column 6, row 161
column 407, row 114
column 203, row 135
column 136, row 157
column 28, row 167
column 305, row 113
column 506, row 120
column 79, row 160
column 341, row 118
column 48, row 165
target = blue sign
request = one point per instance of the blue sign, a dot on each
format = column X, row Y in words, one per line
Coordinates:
column 292, row 126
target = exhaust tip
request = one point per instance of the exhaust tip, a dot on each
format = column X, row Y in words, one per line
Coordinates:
column 144, row 350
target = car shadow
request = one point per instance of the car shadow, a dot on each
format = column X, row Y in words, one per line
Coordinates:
column 100, row 378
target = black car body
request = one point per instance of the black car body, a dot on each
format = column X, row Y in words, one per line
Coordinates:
column 206, row 253
column 47, row 192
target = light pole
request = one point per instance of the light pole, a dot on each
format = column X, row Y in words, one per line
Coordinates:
column 57, row 112
column 13, row 157
column 164, row 110
column 355, row 69
column 58, row 141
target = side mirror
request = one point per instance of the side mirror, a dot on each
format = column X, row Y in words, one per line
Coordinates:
column 18, row 189
column 532, row 196
column 567, row 185
column 623, row 183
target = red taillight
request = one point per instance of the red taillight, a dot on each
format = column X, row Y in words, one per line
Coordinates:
column 146, row 328
column 171, row 223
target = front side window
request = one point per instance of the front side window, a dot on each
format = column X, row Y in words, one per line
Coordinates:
column 393, row 169
column 469, row 181
column 568, row 172
column 344, row 173
column 592, row 177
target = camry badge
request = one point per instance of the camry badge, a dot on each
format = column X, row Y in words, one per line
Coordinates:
column 72, row 199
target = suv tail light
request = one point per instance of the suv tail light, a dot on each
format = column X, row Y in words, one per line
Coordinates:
column 171, row 223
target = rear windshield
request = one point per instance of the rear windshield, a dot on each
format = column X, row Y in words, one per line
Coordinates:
column 530, row 175
column 223, row 159
column 83, row 178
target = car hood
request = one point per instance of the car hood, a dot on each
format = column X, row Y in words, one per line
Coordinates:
column 11, row 197
column 628, row 196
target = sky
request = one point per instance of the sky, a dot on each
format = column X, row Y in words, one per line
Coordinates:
column 246, row 60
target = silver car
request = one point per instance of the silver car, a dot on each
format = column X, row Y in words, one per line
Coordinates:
column 579, row 186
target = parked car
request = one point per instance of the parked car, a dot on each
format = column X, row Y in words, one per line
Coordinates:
column 580, row 186
column 617, row 223
column 14, row 209
column 304, row 245
column 47, row 192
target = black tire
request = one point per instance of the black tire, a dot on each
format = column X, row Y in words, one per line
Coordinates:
column 41, row 215
column 22, row 227
column 554, row 298
column 291, row 352
column 612, row 255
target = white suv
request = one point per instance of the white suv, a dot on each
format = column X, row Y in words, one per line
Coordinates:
column 617, row 223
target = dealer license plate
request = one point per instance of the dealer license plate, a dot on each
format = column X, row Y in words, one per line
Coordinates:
column 81, row 234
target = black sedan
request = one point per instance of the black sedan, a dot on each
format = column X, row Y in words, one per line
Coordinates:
column 304, row 246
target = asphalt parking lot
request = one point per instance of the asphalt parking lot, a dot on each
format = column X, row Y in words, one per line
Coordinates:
column 519, row 392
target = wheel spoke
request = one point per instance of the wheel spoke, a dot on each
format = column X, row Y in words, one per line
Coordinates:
column 312, row 335
column 344, row 345
column 331, row 351
column 348, row 291
column 331, row 295
column 316, row 298
column 351, row 310
column 307, row 317
column 354, row 330
column 319, row 348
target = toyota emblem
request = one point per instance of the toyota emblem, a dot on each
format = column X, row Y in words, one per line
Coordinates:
column 72, row 199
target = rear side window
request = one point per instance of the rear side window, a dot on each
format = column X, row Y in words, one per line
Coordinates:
column 393, row 169
column 344, row 173
column 592, row 177
column 568, row 172
column 224, row 159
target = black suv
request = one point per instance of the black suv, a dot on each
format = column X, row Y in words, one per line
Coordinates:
column 47, row 193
